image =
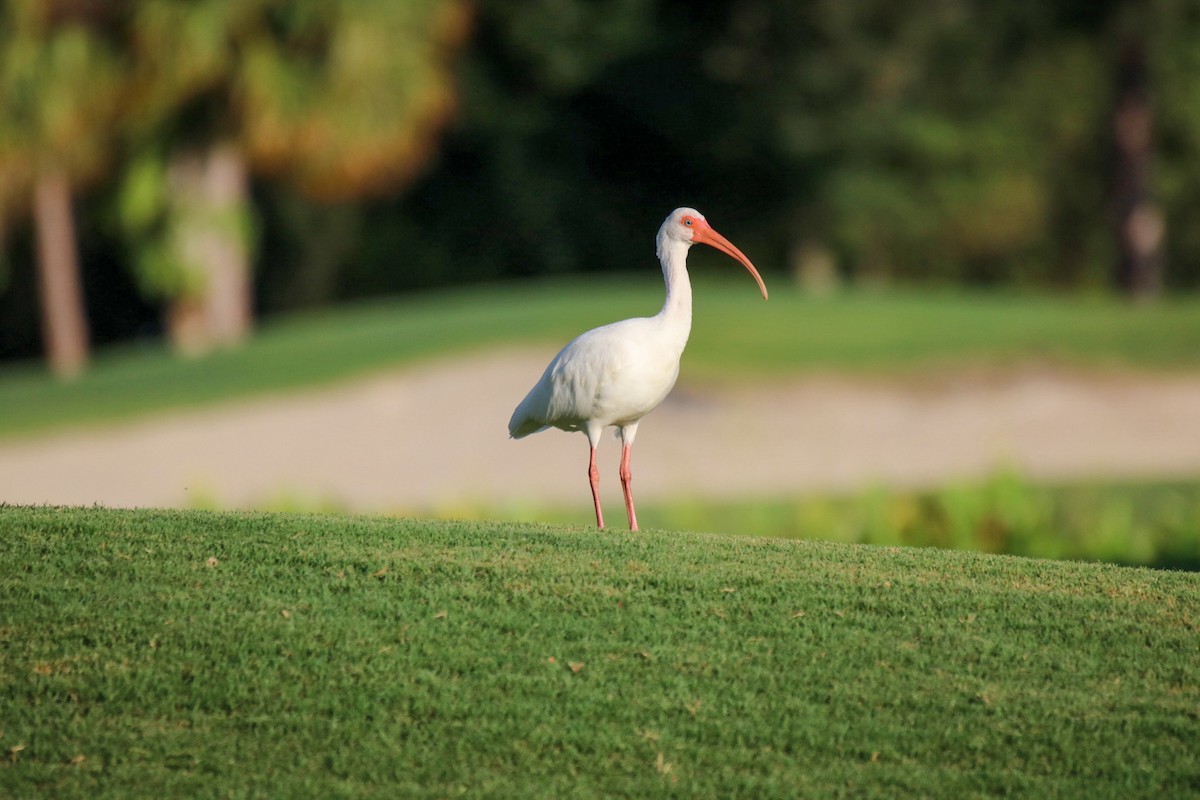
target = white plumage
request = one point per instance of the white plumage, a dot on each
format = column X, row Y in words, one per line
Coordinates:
column 618, row 373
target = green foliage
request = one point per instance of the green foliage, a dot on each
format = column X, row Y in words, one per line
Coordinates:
column 965, row 143
column 968, row 143
column 1156, row 524
column 343, row 98
column 59, row 98
column 736, row 337
column 338, row 99
column 285, row 655
column 143, row 194
column 567, row 46
column 159, row 218
column 143, row 206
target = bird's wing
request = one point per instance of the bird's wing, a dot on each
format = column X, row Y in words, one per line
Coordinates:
column 566, row 395
column 609, row 375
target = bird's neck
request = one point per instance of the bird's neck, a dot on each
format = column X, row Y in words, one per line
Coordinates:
column 676, row 314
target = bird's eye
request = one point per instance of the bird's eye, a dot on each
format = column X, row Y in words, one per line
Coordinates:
column 687, row 221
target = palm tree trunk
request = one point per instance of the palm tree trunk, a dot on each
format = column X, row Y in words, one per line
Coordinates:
column 212, row 195
column 64, row 325
column 231, row 296
column 1140, row 223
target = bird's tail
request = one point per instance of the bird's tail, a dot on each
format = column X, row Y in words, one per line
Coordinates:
column 529, row 415
column 521, row 426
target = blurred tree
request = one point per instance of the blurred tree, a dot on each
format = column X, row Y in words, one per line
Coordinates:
column 339, row 99
column 954, row 141
column 59, row 86
column 1171, row 30
column 932, row 144
column 963, row 141
column 544, row 148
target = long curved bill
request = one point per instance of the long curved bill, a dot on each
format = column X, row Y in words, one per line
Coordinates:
column 704, row 233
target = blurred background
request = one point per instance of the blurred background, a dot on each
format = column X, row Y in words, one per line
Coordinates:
column 211, row 199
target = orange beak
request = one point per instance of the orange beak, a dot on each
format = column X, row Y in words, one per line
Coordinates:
column 704, row 233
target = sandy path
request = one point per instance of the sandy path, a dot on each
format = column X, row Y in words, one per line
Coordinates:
column 434, row 437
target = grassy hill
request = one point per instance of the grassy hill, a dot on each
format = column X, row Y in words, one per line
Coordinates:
column 165, row 654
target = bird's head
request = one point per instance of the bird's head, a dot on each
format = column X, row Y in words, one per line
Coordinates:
column 688, row 226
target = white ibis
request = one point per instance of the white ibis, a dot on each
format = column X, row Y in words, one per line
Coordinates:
column 619, row 373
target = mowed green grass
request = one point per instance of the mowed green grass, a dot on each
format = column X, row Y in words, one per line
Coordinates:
column 735, row 337
column 182, row 654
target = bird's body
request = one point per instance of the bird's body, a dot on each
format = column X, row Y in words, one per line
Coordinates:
column 613, row 375
column 616, row 374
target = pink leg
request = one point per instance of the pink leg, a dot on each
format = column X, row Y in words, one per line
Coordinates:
column 594, row 480
column 627, row 486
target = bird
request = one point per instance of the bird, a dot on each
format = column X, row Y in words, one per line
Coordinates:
column 618, row 373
